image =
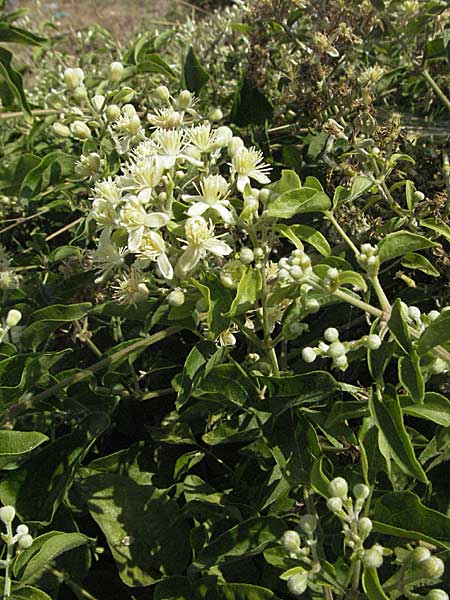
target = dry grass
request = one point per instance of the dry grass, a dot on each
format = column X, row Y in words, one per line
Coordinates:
column 122, row 18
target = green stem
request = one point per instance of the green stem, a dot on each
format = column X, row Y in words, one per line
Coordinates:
column 8, row 560
column 445, row 101
column 372, row 310
column 157, row 394
column 270, row 350
column 384, row 302
column 329, row 215
column 17, row 409
column 356, row 573
column 87, row 340
column 384, row 188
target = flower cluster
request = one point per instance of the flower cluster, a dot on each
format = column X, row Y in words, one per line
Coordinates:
column 176, row 205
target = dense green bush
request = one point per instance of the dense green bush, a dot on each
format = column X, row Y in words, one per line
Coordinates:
column 225, row 341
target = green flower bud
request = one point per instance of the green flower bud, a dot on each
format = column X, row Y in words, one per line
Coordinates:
column 98, row 102
column 365, row 526
column 215, row 114
column 298, row 583
column 234, row 145
column 25, row 541
column 312, row 305
column 419, row 554
column 176, row 298
column 22, row 530
column 7, row 514
column 259, row 253
column 433, row 315
column 112, row 112
column 361, row 491
column 126, row 94
column 308, row 523
column 296, row 272
column 373, row 558
column 61, row 130
column 80, row 95
column 338, row 488
column 184, row 99
column 162, row 92
column 331, row 334
column 246, row 255
column 418, row 196
column 436, row 594
column 291, row 541
column 116, row 71
column 73, row 78
column 13, row 317
column 334, row 504
column 432, row 567
column 373, row 342
column 340, row 362
column 223, row 136
column 336, row 350
column 309, row 355
column 80, row 130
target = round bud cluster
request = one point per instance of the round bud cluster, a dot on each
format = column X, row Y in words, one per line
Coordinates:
column 298, row 583
column 336, row 350
column 368, row 259
column 88, row 166
column 175, row 298
column 331, row 280
column 22, row 538
column 291, row 541
column 13, row 317
column 373, row 557
column 372, row 342
column 73, row 78
column 294, row 268
column 7, row 514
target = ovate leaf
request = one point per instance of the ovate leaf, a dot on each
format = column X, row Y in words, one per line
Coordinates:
column 402, row 514
column 387, row 414
column 295, row 202
column 194, row 75
column 401, row 243
column 246, row 539
column 15, row 445
column 438, row 332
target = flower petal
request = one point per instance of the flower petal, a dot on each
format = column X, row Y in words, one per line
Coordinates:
column 217, row 247
column 197, row 209
column 155, row 220
column 164, row 266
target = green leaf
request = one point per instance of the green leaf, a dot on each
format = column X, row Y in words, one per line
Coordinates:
column 440, row 227
column 28, row 593
column 299, row 201
column 247, row 292
column 356, row 280
column 387, row 415
column 45, row 321
column 218, row 300
column 33, row 561
column 435, row 407
column 10, row 34
column 401, row 243
column 180, row 588
column 246, row 539
column 244, row 591
column 412, row 260
column 360, row 185
column 144, row 528
column 298, row 233
column 410, row 376
column 402, row 514
column 289, row 181
column 51, row 170
column 295, row 390
column 399, row 328
column 372, row 585
column 37, row 488
column 13, row 79
column 438, row 332
column 194, row 75
column 15, row 444
column 250, row 106
column 153, row 63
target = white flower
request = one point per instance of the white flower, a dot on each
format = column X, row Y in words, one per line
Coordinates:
column 127, row 129
column 107, row 190
column 166, row 118
column 200, row 240
column 104, row 213
column 135, row 219
column 202, row 138
column 170, row 145
column 213, row 193
column 153, row 248
column 108, row 256
column 131, row 288
column 247, row 164
column 143, row 176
